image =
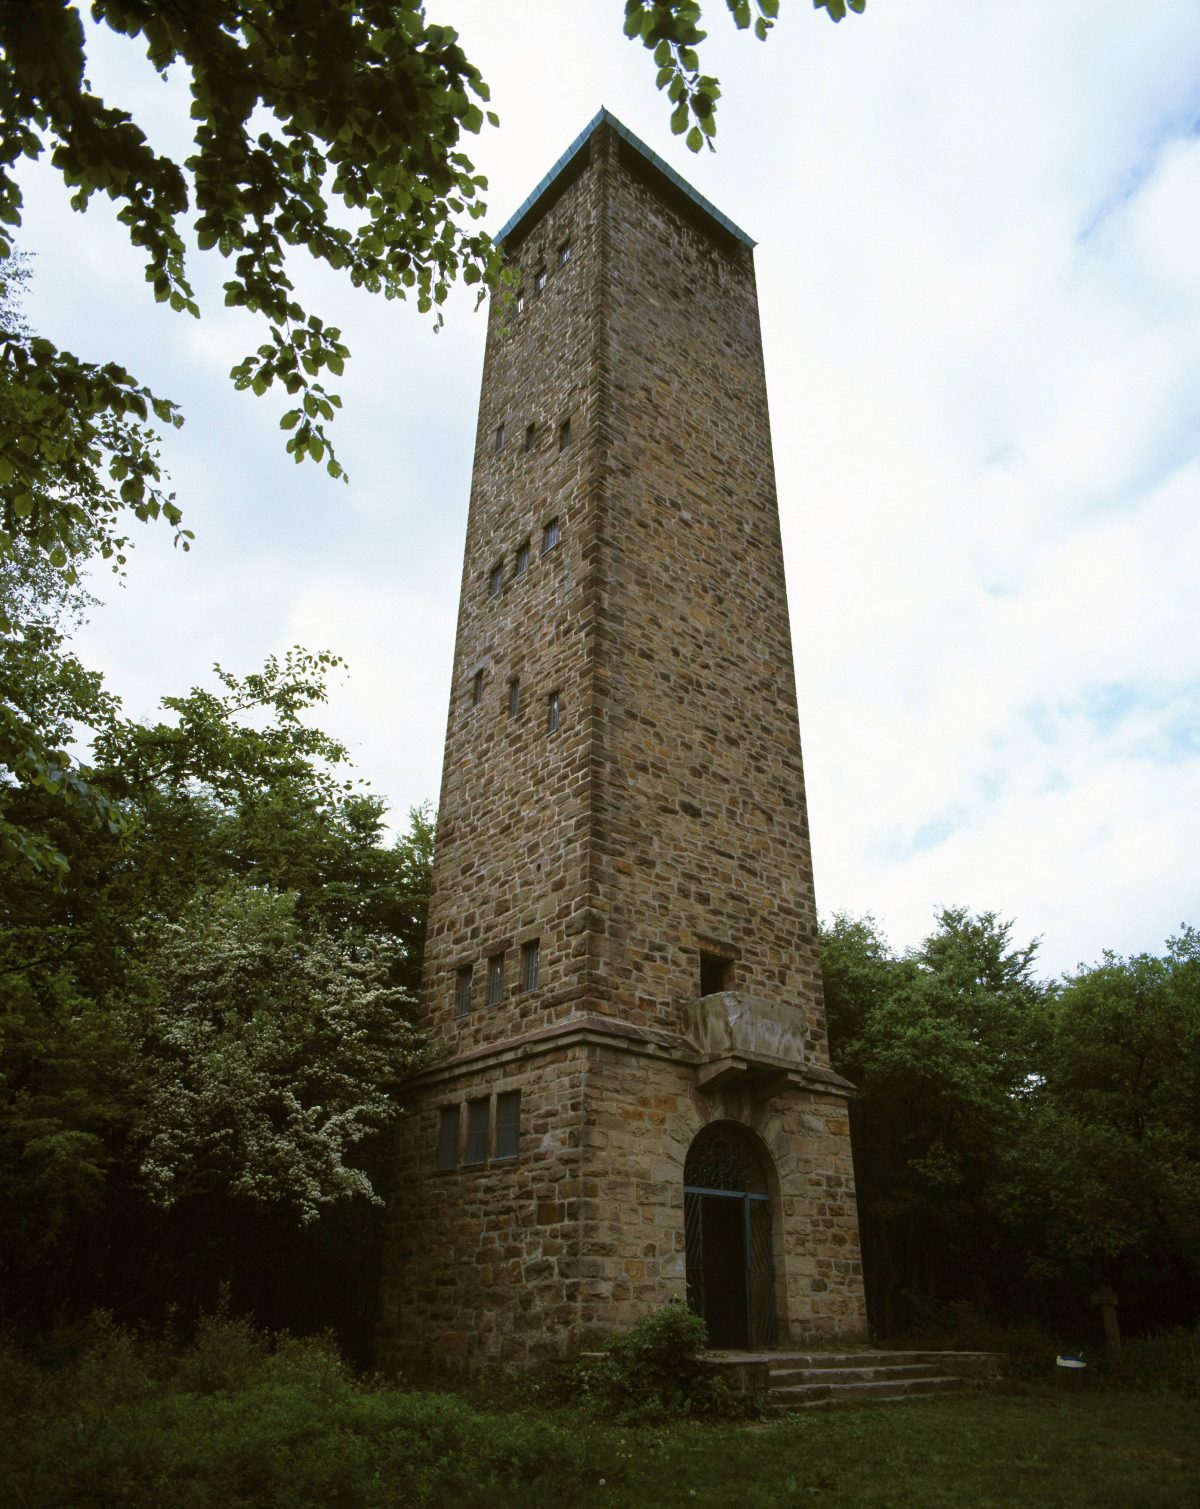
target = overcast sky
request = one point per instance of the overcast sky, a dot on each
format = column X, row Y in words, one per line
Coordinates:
column 978, row 258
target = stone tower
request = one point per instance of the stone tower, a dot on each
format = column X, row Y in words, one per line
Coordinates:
column 633, row 1098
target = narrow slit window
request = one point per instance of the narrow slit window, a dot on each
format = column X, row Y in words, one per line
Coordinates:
column 514, row 698
column 476, row 688
column 498, row 438
column 550, row 535
column 529, row 965
column 553, row 712
column 495, row 579
column 495, row 980
column 521, row 563
column 462, row 991
column 447, row 1148
column 564, row 254
column 564, row 434
column 530, row 437
column 508, row 1124
column 477, row 1131
column 539, row 280
column 521, row 302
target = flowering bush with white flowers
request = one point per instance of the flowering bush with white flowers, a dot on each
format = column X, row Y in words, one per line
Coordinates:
column 275, row 1050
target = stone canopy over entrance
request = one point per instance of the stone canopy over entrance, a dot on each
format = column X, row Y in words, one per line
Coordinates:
column 631, row 1098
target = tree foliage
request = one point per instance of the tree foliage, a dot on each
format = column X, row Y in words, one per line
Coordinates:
column 1018, row 1143
column 1117, row 1107
column 329, row 127
column 672, row 30
column 273, row 1052
column 205, row 1017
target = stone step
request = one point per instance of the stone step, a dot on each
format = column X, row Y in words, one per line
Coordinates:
column 806, row 1395
column 786, row 1377
column 864, row 1357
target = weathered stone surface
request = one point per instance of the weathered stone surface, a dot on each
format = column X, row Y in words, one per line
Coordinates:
column 662, row 819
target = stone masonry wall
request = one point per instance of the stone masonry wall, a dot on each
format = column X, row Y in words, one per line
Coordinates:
column 699, row 799
column 512, row 1261
column 480, row 1260
column 513, row 835
column 642, row 1115
column 663, row 818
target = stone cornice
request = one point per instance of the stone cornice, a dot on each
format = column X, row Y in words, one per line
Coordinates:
column 614, row 1035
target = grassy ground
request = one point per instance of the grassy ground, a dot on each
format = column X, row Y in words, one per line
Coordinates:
column 99, row 1417
column 303, row 1433
column 989, row 1450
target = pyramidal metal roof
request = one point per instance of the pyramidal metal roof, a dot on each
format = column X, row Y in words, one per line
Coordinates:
column 623, row 131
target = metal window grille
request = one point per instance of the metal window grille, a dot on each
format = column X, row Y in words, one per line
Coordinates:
column 462, row 991
column 514, row 698
column 529, row 965
column 549, row 535
column 553, row 709
column 495, row 580
column 522, row 561
column 477, row 1131
column 495, row 980
column 521, row 302
column 508, row 1124
column 539, row 280
column 564, row 254
column 447, row 1151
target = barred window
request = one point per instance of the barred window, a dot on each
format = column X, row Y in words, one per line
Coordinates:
column 521, row 564
column 462, row 991
column 477, row 1131
column 529, row 965
column 564, row 254
column 447, row 1150
column 496, row 579
column 508, row 1124
column 495, row 979
column 539, row 280
column 549, row 535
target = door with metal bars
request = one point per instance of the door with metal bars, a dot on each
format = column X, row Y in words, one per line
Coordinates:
column 727, row 1227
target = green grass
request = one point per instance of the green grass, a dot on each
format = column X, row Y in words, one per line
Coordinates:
column 234, row 1421
column 989, row 1450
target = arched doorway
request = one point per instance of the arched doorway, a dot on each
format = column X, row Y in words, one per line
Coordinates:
column 727, row 1227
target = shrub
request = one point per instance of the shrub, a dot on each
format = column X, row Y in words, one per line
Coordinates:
column 1165, row 1364
column 657, row 1369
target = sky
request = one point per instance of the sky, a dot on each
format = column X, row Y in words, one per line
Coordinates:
column 978, row 265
